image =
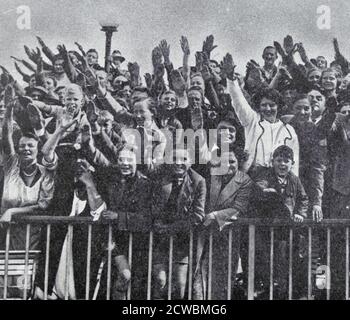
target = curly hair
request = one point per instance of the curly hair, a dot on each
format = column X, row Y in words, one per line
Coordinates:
column 268, row 93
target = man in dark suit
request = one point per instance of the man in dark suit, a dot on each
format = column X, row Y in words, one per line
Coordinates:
column 177, row 206
column 127, row 195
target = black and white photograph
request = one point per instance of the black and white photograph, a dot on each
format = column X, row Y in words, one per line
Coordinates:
column 174, row 150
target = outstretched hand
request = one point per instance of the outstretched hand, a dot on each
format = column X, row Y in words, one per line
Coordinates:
column 64, row 122
column 164, row 47
column 134, row 69
column 62, row 50
column 41, row 42
column 288, row 44
column 228, row 67
column 279, row 49
column 185, row 46
column 178, row 82
column 16, row 59
column 208, row 45
column 9, row 96
column 156, row 57
column 301, row 50
column 81, row 49
column 84, row 170
column 336, row 47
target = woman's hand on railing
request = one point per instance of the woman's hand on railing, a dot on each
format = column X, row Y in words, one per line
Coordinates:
column 317, row 214
column 6, row 217
column 298, row 218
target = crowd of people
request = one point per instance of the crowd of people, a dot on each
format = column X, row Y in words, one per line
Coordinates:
column 192, row 147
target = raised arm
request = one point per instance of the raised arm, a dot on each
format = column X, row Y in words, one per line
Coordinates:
column 83, row 53
column 25, row 77
column 134, row 70
column 47, row 51
column 95, row 200
column 304, row 57
column 165, row 50
column 208, row 45
column 186, row 54
column 210, row 92
column 339, row 58
column 245, row 113
column 7, row 131
column 68, row 65
column 62, row 124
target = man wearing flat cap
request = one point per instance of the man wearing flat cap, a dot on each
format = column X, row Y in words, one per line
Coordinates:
column 116, row 60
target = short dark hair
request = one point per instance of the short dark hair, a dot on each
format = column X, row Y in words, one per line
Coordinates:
column 141, row 89
column 92, row 50
column 284, row 152
column 300, row 96
column 57, row 57
column 215, row 62
column 30, row 135
column 269, row 47
column 196, row 88
column 268, row 93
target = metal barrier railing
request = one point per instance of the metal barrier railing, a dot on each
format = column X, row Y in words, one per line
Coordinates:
column 273, row 227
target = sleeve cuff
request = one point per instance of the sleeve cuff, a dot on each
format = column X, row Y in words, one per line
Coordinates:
column 97, row 213
column 50, row 165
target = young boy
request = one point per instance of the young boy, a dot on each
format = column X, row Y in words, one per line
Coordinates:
column 280, row 194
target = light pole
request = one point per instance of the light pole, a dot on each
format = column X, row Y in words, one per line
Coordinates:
column 108, row 29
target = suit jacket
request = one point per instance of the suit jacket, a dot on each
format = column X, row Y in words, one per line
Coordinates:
column 228, row 202
column 131, row 200
column 293, row 201
column 190, row 212
column 190, row 202
column 232, row 200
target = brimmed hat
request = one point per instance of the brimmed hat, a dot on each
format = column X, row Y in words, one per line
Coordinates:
column 41, row 89
column 117, row 55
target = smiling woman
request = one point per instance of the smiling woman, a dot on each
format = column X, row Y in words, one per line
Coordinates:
column 264, row 132
column 28, row 186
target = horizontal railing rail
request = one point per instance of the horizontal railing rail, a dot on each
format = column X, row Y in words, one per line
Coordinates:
column 273, row 226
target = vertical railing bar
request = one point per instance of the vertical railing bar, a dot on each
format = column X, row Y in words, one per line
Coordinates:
column 190, row 266
column 109, row 262
column 347, row 264
column 46, row 278
column 309, row 262
column 149, row 272
column 7, row 249
column 290, row 273
column 272, row 236
column 210, row 262
column 128, row 293
column 328, row 276
column 251, row 262
column 170, row 273
column 68, row 254
column 88, row 263
column 26, row 258
column 229, row 265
